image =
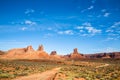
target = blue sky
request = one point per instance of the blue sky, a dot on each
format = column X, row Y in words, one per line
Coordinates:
column 89, row 25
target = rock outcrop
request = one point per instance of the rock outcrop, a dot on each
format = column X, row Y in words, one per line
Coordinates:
column 103, row 55
column 29, row 49
column 41, row 53
column 30, row 53
column 26, row 53
column 53, row 53
column 2, row 53
column 40, row 48
column 55, row 56
column 76, row 55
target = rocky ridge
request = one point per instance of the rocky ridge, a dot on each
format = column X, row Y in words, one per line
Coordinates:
column 30, row 53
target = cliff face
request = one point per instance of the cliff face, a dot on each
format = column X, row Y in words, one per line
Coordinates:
column 41, row 53
column 2, row 53
column 30, row 53
column 76, row 54
column 55, row 56
column 40, row 48
column 26, row 53
column 103, row 55
column 53, row 53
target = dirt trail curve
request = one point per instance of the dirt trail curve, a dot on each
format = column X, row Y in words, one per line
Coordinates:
column 103, row 65
column 40, row 76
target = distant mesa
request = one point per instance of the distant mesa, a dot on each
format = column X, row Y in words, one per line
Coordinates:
column 26, row 53
column 40, row 53
column 103, row 55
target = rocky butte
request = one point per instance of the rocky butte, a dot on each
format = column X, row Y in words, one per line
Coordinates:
column 53, row 55
column 26, row 53
column 76, row 55
column 30, row 53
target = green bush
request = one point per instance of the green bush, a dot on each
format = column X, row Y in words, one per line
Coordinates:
column 5, row 75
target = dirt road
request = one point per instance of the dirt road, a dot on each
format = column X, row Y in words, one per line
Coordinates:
column 102, row 65
column 40, row 76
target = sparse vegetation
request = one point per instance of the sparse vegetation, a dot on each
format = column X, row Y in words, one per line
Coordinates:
column 91, row 70
column 14, row 68
column 106, row 69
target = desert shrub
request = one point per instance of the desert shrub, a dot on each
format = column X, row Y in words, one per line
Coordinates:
column 5, row 75
column 21, row 74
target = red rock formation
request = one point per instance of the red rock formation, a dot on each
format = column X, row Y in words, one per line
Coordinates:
column 29, row 48
column 2, row 52
column 53, row 53
column 41, row 52
column 115, row 55
column 75, row 51
column 26, row 53
column 41, row 48
column 76, row 55
column 105, row 55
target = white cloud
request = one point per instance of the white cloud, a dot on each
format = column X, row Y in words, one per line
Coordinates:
column 106, row 14
column 86, row 24
column 81, row 30
column 79, row 27
column 113, row 32
column 23, row 28
column 68, row 32
column 93, row 30
column 28, row 22
column 29, row 11
column 114, row 28
column 88, row 29
column 91, row 7
column 84, row 35
column 116, row 24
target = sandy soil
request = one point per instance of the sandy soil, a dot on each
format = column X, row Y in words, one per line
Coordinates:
column 47, row 75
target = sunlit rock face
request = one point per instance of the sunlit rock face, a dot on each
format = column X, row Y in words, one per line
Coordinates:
column 41, row 53
column 40, row 48
column 75, row 51
column 55, row 56
column 26, row 53
column 76, row 54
